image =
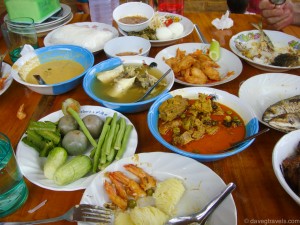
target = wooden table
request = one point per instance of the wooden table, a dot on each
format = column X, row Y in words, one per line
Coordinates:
column 258, row 197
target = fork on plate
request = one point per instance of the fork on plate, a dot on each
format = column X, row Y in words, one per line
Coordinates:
column 78, row 213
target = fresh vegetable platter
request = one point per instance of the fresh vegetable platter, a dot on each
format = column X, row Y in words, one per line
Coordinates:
column 32, row 165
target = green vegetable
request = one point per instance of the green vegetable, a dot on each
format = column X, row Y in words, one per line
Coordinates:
column 108, row 142
column 56, row 158
column 73, row 170
column 124, row 141
column 120, row 135
column 66, row 124
column 94, row 124
column 214, row 50
column 72, row 107
column 75, row 142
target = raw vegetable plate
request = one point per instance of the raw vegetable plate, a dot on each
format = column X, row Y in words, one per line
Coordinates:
column 188, row 28
column 31, row 164
column 230, row 65
column 201, row 184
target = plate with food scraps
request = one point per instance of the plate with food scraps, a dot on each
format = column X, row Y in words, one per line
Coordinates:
column 31, row 164
column 90, row 35
column 229, row 65
column 6, row 78
column 201, row 184
column 264, row 90
column 160, row 20
column 246, row 45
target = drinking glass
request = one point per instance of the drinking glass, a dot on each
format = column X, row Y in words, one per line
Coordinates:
column 171, row 6
column 13, row 190
column 20, row 31
column 237, row 6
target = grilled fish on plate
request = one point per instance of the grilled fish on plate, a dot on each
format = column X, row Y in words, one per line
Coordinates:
column 284, row 115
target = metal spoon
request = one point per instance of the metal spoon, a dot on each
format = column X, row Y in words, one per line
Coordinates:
column 200, row 35
column 153, row 86
column 39, row 79
column 246, row 139
column 202, row 216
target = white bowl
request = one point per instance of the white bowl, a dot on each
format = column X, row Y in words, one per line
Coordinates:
column 50, row 53
column 284, row 148
column 127, row 44
column 133, row 9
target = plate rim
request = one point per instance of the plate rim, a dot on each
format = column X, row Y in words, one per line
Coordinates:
column 22, row 147
column 9, row 79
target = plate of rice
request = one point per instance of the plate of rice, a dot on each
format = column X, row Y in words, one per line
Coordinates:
column 164, row 29
column 188, row 185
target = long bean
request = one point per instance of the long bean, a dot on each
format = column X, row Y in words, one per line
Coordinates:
column 120, row 135
column 124, row 142
column 107, row 146
column 103, row 153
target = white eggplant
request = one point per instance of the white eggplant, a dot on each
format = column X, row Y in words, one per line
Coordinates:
column 110, row 75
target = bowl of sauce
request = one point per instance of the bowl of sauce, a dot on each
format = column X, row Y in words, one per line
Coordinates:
column 133, row 16
column 62, row 67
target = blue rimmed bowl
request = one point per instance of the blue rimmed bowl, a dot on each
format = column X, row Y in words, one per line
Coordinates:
column 109, row 64
column 224, row 98
column 50, row 53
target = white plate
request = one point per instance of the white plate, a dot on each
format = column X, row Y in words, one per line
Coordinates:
column 283, row 149
column 31, row 164
column 6, row 73
column 279, row 39
column 228, row 62
column 96, row 25
column 188, row 28
column 201, row 183
column 263, row 90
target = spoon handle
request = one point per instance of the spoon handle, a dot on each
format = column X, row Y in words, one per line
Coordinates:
column 200, row 35
column 154, row 85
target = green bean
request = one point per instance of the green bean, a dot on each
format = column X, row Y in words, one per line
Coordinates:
column 97, row 153
column 124, row 141
column 103, row 153
column 108, row 142
column 120, row 135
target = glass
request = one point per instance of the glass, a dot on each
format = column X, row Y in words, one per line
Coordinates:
column 20, row 31
column 101, row 11
column 237, row 6
column 13, row 190
column 171, row 6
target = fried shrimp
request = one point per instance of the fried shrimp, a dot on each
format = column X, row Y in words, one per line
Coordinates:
column 114, row 197
column 119, row 187
column 146, row 181
column 134, row 187
column 195, row 75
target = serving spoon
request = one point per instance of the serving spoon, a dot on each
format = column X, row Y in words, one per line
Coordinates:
column 39, row 79
column 246, row 139
column 153, row 86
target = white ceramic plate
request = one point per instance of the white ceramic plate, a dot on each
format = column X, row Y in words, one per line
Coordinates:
column 284, row 148
column 99, row 26
column 31, row 164
column 228, row 62
column 263, row 90
column 201, row 183
column 279, row 40
column 188, row 28
column 6, row 73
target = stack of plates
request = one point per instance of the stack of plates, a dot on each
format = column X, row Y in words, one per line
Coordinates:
column 59, row 19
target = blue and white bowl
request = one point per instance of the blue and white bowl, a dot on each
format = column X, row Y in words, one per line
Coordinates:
column 50, row 53
column 224, row 98
column 109, row 64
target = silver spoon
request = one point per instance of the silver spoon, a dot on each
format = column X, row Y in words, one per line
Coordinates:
column 39, row 79
column 246, row 139
column 153, row 86
column 202, row 216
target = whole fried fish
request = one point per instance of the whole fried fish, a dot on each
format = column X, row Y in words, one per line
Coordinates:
column 286, row 106
column 286, row 122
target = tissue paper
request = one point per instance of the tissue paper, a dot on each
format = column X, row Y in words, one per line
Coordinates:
column 224, row 23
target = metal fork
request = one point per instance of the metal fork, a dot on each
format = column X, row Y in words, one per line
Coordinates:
column 78, row 213
column 201, row 217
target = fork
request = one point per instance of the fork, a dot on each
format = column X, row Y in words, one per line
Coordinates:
column 201, row 217
column 78, row 213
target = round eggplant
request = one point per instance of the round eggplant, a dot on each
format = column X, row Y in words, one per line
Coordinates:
column 66, row 124
column 75, row 142
column 94, row 124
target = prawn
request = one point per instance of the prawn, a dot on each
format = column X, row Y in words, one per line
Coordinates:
column 119, row 187
column 195, row 75
column 209, row 70
column 112, row 194
column 133, row 186
column 146, row 181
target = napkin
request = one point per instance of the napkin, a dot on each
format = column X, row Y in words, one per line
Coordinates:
column 224, row 23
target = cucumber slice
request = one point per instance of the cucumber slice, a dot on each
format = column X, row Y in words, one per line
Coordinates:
column 214, row 50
